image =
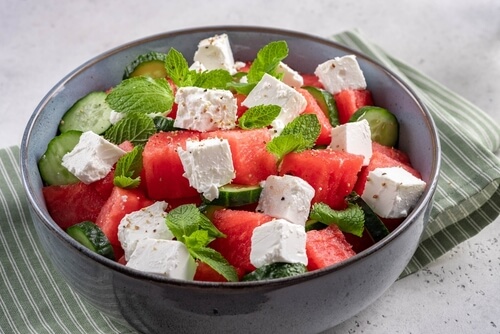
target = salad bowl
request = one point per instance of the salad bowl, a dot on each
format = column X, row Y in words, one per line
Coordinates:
column 307, row 303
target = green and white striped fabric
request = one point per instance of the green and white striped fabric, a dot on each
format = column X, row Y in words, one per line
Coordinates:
column 35, row 299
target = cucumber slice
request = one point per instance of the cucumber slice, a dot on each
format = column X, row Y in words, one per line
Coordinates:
column 326, row 102
column 232, row 195
column 51, row 169
column 164, row 124
column 91, row 236
column 275, row 270
column 151, row 64
column 90, row 113
column 384, row 125
column 373, row 224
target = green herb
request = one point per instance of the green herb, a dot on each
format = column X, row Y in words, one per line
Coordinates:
column 196, row 231
column 128, row 169
column 141, row 94
column 267, row 60
column 163, row 123
column 350, row 220
column 135, row 127
column 259, row 116
column 298, row 135
column 178, row 70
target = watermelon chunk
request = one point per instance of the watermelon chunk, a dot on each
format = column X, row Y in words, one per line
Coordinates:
column 312, row 107
column 238, row 226
column 163, row 168
column 120, row 202
column 312, row 80
column 332, row 174
column 73, row 203
column 350, row 100
column 252, row 162
column 205, row 273
column 326, row 247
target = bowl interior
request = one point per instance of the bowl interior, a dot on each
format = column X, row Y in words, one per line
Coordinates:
column 305, row 53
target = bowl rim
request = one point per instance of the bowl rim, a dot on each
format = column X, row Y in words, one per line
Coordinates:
column 281, row 282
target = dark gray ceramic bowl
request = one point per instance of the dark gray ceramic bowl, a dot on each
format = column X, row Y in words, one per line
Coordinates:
column 312, row 302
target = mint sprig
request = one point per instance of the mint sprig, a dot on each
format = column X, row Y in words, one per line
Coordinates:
column 178, row 70
column 350, row 220
column 128, row 169
column 141, row 94
column 259, row 116
column 135, row 127
column 298, row 135
column 196, row 231
column 266, row 61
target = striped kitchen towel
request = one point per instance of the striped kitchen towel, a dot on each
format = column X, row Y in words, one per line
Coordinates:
column 35, row 299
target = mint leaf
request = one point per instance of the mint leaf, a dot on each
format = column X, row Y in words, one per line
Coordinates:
column 216, row 261
column 213, row 79
column 196, row 231
column 350, row 220
column 267, row 60
column 135, row 127
column 259, row 116
column 141, row 94
column 128, row 169
column 284, row 144
column 241, row 88
column 177, row 68
column 298, row 135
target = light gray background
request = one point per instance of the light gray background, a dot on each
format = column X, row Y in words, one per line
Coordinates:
column 456, row 42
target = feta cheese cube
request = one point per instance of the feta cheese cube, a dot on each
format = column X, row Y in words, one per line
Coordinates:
column 354, row 138
column 165, row 257
column 341, row 73
column 92, row 158
column 215, row 53
column 291, row 77
column 197, row 67
column 205, row 109
column 208, row 164
column 288, row 197
column 278, row 241
column 149, row 222
column 270, row 90
column 392, row 192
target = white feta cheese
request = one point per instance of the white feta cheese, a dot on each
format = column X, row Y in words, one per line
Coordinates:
column 270, row 90
column 288, row 197
column 208, row 164
column 198, row 67
column 165, row 257
column 392, row 192
column 291, row 77
column 205, row 109
column 215, row 53
column 115, row 117
column 355, row 138
column 149, row 222
column 92, row 158
column 278, row 241
column 341, row 73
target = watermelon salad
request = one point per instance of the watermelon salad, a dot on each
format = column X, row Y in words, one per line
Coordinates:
column 220, row 170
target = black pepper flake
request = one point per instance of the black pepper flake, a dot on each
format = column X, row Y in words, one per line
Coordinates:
column 283, row 198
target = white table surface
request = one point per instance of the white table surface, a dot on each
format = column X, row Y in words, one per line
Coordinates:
column 456, row 42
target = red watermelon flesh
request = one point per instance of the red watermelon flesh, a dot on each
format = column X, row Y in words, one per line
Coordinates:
column 252, row 162
column 163, row 168
column 120, row 202
column 73, row 203
column 391, row 152
column 205, row 273
column 312, row 80
column 350, row 100
column 312, row 107
column 380, row 160
column 238, row 226
column 332, row 174
column 326, row 247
